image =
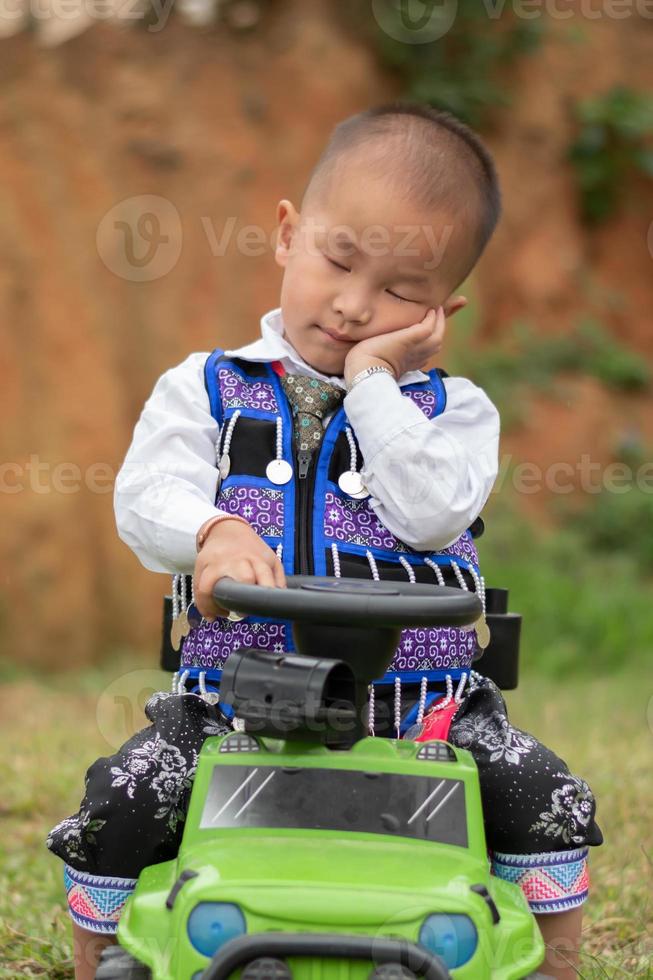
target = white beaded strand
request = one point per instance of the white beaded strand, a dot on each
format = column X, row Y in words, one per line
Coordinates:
column 370, row 713
column 184, row 593
column 422, row 700
column 463, row 585
column 279, row 438
column 336, row 560
column 279, row 550
column 443, row 704
column 436, row 568
column 230, row 431
column 398, row 706
column 459, row 575
column 279, row 470
column 459, row 690
column 202, row 682
column 409, row 569
column 373, row 567
column 479, row 585
column 353, row 455
column 175, row 596
column 175, row 682
column 181, row 686
column 474, row 680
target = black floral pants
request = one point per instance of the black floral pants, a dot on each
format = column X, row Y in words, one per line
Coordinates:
column 539, row 818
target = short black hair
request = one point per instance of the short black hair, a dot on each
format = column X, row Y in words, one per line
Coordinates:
column 433, row 157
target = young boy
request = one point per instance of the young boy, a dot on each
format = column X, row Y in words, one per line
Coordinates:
column 322, row 447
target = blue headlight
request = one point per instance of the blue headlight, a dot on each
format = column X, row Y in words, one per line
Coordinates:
column 212, row 924
column 451, row 937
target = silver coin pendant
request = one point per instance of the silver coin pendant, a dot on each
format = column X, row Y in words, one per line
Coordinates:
column 351, row 483
column 278, row 471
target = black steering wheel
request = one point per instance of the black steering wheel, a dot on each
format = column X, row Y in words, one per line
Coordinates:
column 352, row 602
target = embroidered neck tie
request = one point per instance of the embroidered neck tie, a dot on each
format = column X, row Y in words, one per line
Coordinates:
column 311, row 401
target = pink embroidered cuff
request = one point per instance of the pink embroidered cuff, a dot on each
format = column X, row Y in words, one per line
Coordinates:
column 551, row 881
column 96, row 902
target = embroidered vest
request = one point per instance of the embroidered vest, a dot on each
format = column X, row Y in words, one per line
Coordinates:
column 315, row 527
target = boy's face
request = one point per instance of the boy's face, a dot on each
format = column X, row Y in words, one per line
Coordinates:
column 334, row 295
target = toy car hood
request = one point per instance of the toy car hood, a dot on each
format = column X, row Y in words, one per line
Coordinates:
column 301, row 877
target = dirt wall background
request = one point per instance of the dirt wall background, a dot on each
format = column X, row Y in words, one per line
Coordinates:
column 224, row 126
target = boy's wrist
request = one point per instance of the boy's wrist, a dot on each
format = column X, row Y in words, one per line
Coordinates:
column 208, row 526
column 358, row 365
column 368, row 372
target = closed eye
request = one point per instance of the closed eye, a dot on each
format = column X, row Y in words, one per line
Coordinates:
column 402, row 299
column 337, row 264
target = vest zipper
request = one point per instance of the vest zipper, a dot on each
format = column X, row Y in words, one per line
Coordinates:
column 304, row 511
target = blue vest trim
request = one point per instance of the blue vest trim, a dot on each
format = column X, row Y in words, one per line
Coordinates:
column 411, row 717
column 438, row 387
column 415, row 676
column 271, row 540
column 288, row 555
column 440, row 391
column 211, row 384
column 335, row 426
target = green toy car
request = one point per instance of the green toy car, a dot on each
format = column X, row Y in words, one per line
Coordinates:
column 313, row 852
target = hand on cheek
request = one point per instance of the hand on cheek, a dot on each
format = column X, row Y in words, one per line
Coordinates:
column 403, row 350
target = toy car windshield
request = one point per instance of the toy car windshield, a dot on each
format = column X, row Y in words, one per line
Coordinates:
column 387, row 803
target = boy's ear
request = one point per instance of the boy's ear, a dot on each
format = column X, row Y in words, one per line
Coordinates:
column 453, row 304
column 287, row 218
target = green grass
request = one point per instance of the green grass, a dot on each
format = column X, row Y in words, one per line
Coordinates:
column 50, row 730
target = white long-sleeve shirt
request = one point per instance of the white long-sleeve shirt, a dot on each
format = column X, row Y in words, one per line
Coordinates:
column 428, row 478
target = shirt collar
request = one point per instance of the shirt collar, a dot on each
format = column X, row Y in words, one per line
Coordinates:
column 273, row 346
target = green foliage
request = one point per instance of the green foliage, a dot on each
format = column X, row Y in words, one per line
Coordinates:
column 616, row 520
column 584, row 611
column 614, row 140
column 582, row 590
column 620, row 521
column 526, row 359
column 459, row 71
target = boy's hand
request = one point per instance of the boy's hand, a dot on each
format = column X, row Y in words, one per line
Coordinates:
column 234, row 549
column 401, row 350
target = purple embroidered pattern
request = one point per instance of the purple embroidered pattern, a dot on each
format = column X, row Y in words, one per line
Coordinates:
column 354, row 522
column 424, row 400
column 209, row 645
column 432, row 649
column 464, row 547
column 262, row 507
column 237, row 393
column 347, row 521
